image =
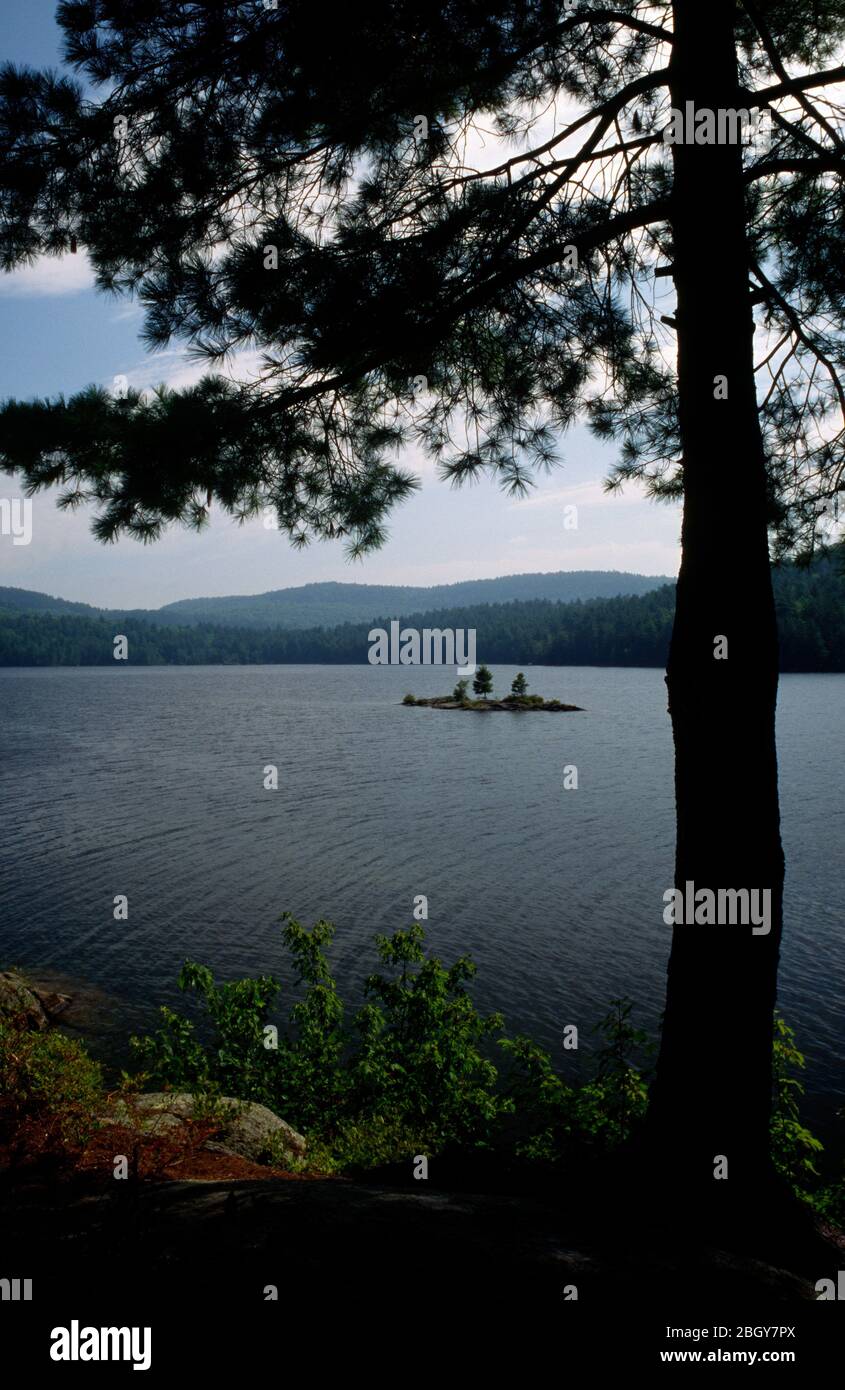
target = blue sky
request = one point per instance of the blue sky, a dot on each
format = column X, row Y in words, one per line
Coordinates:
column 57, row 334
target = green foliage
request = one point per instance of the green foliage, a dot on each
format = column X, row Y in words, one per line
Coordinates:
column 616, row 1100
column 409, row 699
column 794, row 1148
column 519, row 685
column 543, row 1102
column 421, row 1055
column 829, row 1201
column 604, row 1112
column 227, row 1052
column 411, row 1074
column 410, row 1065
column 483, row 682
column 796, row 1152
column 310, row 1062
column 49, row 1079
column 630, row 630
column 460, row 691
column 231, row 1061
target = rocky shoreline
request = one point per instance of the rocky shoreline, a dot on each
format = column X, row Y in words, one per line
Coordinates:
column 22, row 998
column 229, row 1138
column 220, row 1201
column 512, row 704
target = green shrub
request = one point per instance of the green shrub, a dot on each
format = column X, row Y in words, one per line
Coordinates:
column 410, row 1064
column 228, row 1052
column 540, row 1098
column 409, row 700
column 794, row 1148
column 604, row 1111
column 829, row 1201
column 420, row 1056
column 49, row 1080
column 411, row 1072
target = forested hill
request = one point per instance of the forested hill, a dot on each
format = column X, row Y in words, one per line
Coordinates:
column 626, row 631
column 323, row 605
column 326, row 605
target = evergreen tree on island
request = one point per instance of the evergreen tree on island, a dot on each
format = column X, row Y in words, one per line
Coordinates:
column 519, row 685
column 483, row 682
column 263, row 180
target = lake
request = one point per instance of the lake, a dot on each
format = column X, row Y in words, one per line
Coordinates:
column 149, row 782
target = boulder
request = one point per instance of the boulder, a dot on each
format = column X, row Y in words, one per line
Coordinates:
column 28, row 1005
column 19, row 1001
column 244, row 1127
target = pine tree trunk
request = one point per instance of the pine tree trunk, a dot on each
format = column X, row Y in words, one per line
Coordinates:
column 712, row 1092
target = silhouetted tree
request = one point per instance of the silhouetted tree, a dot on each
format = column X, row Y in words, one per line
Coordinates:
column 519, row 685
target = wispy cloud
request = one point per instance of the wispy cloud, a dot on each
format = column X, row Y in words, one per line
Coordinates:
column 176, row 369
column 588, row 494
column 129, row 309
column 49, row 276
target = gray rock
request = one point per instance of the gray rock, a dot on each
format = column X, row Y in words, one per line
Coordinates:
column 19, row 1001
column 245, row 1128
column 26, row 1003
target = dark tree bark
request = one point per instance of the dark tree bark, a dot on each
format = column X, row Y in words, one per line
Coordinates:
column 712, row 1093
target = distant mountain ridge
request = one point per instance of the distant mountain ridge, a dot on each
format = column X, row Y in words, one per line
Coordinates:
column 627, row 630
column 329, row 604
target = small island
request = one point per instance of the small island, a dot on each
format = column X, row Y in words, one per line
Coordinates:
column 518, row 699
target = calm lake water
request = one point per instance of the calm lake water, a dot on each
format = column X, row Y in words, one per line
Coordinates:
column 148, row 782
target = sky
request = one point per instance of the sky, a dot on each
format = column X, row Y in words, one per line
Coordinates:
column 58, row 335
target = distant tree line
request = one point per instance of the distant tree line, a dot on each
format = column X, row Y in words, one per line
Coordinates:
column 626, row 631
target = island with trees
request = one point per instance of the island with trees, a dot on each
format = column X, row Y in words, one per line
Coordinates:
column 482, row 686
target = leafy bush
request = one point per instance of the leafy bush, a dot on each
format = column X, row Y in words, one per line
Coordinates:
column 409, row 700
column 605, row 1111
column 410, row 1068
column 794, row 1148
column 420, row 1057
column 49, row 1084
column 543, row 1102
column 829, row 1201
column 411, row 1073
